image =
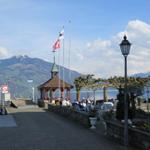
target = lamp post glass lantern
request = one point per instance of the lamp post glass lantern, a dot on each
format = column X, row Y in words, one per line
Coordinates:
column 125, row 46
column 125, row 49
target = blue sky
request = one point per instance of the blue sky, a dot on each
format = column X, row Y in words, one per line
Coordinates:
column 31, row 27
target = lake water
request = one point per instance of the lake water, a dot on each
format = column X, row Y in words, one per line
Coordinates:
column 111, row 93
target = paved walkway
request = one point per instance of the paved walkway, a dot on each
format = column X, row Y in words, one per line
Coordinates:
column 7, row 121
column 40, row 130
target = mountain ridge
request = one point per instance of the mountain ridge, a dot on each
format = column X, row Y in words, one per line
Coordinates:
column 17, row 70
column 142, row 75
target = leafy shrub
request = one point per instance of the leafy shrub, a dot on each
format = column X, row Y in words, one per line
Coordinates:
column 143, row 125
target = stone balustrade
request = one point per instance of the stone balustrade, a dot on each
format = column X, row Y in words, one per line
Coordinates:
column 137, row 138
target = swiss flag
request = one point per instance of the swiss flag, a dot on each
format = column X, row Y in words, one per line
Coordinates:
column 56, row 45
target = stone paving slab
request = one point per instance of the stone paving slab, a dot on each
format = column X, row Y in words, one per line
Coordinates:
column 7, row 121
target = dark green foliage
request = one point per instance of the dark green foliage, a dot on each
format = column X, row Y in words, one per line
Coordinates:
column 120, row 105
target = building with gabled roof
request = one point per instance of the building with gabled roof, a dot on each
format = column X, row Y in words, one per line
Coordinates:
column 48, row 88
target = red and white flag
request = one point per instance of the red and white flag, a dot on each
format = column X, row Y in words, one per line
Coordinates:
column 56, row 45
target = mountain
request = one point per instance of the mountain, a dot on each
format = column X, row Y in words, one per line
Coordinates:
column 142, row 75
column 19, row 71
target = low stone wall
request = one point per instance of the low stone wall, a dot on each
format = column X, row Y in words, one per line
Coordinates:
column 140, row 139
column 115, row 130
column 21, row 102
column 137, row 138
column 71, row 114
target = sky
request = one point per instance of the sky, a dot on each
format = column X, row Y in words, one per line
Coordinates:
column 93, row 31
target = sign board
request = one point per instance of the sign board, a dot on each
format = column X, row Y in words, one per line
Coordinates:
column 29, row 81
column 6, row 96
column 4, row 88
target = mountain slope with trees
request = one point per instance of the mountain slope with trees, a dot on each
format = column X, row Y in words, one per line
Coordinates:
column 17, row 70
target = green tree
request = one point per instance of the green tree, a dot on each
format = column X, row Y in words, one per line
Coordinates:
column 80, row 82
column 134, row 86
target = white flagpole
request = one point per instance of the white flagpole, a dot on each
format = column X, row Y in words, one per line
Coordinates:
column 60, row 37
column 63, row 60
column 59, row 74
column 54, row 52
column 69, row 58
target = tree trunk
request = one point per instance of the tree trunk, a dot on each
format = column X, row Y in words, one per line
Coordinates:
column 78, row 95
column 94, row 98
column 105, row 96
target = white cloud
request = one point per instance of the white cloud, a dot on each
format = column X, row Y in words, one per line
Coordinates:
column 99, row 44
column 80, row 56
column 103, row 57
column 138, row 27
column 3, row 52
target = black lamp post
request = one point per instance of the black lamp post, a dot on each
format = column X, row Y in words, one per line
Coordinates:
column 147, row 91
column 125, row 49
